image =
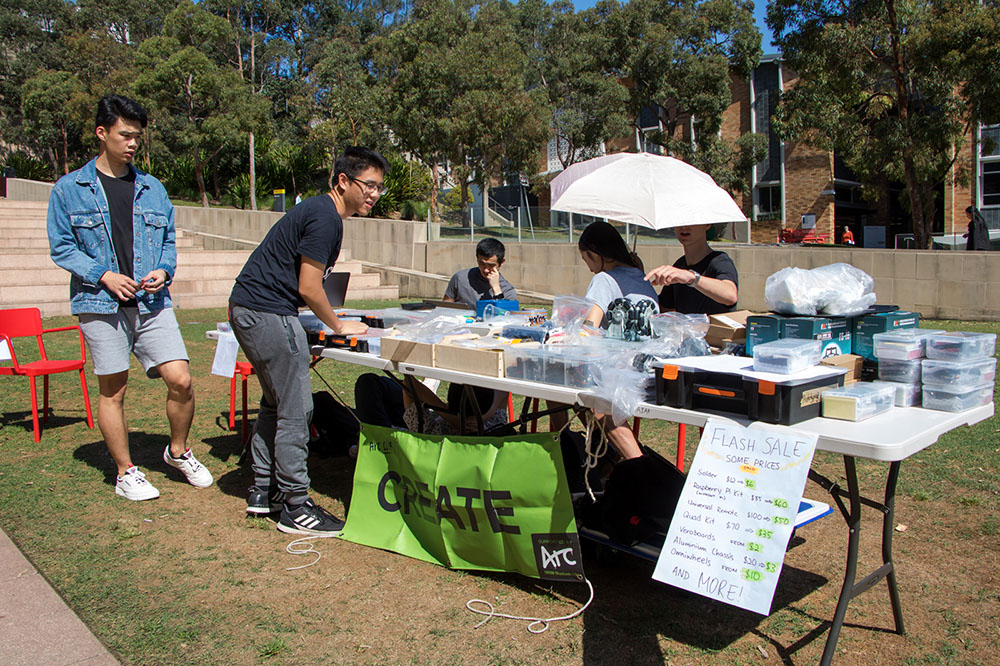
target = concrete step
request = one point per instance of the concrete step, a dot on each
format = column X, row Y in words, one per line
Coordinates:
column 9, row 221
column 8, row 242
column 34, row 231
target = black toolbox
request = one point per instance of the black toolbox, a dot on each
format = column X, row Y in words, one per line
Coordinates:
column 785, row 403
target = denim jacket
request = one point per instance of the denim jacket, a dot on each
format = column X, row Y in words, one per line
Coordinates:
column 79, row 227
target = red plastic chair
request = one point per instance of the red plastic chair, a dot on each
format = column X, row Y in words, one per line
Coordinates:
column 27, row 322
column 244, row 370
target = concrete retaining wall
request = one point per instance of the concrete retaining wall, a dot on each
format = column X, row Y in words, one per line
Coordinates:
column 948, row 285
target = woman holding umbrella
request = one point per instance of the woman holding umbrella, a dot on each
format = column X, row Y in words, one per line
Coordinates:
column 702, row 281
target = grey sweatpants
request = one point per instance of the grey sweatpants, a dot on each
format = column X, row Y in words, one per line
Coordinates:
column 276, row 346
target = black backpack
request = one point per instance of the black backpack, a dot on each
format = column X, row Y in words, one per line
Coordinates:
column 639, row 500
column 337, row 428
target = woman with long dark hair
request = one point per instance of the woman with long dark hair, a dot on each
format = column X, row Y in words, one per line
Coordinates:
column 978, row 236
column 617, row 272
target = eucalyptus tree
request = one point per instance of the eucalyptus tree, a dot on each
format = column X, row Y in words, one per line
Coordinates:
column 895, row 87
column 566, row 53
column 183, row 71
column 457, row 93
column 678, row 59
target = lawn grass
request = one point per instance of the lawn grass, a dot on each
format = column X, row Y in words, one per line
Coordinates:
column 187, row 579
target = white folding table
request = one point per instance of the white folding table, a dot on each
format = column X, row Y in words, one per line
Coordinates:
column 891, row 437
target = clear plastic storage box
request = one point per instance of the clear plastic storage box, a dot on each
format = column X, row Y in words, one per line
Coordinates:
column 904, row 372
column 961, row 346
column 952, row 399
column 958, row 374
column 902, row 344
column 858, row 402
column 786, row 356
column 523, row 362
column 907, row 395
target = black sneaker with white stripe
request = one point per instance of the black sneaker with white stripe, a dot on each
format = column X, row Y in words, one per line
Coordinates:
column 309, row 518
column 261, row 501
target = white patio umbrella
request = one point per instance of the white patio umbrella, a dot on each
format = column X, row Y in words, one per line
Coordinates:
column 647, row 190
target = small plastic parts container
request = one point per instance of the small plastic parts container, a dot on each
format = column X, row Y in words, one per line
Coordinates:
column 958, row 374
column 523, row 362
column 904, row 372
column 858, row 402
column 952, row 399
column 787, row 356
column 961, row 346
column 907, row 395
column 902, row 344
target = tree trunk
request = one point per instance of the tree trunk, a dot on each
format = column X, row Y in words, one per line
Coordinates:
column 434, row 190
column 253, row 175
column 215, row 178
column 65, row 151
column 464, row 189
column 915, row 189
column 199, row 176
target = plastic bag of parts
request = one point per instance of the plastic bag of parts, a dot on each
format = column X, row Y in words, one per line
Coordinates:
column 677, row 335
column 434, row 329
column 569, row 310
column 524, row 332
column 835, row 289
column 621, row 384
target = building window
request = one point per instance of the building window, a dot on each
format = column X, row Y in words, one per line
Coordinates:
column 989, row 174
column 768, row 201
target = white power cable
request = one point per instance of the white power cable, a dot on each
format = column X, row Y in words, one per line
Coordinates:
column 542, row 622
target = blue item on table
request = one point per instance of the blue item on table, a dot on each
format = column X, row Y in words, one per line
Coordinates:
column 504, row 304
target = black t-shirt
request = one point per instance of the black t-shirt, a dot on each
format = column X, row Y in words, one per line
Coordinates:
column 269, row 282
column 121, row 193
column 688, row 300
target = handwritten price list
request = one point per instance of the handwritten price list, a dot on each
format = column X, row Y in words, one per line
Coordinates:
column 736, row 513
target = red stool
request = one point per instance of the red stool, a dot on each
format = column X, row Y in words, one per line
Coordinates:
column 244, row 370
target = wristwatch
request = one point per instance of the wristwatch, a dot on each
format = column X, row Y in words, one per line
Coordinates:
column 697, row 276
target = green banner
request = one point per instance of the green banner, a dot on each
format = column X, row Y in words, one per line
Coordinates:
column 496, row 504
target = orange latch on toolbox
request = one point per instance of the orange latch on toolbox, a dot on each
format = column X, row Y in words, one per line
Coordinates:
column 670, row 372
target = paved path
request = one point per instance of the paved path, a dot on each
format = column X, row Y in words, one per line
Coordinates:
column 36, row 625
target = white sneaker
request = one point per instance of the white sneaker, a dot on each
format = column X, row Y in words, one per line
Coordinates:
column 196, row 474
column 133, row 485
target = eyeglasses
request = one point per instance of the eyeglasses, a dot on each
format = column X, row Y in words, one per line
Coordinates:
column 371, row 186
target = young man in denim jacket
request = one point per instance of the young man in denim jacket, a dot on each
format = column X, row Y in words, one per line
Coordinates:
column 112, row 227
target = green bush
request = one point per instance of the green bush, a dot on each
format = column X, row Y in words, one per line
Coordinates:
column 414, row 210
column 30, row 168
column 406, row 181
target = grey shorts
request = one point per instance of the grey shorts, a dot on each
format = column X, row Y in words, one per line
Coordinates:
column 155, row 339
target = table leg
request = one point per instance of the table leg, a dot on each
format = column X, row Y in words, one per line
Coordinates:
column 852, row 516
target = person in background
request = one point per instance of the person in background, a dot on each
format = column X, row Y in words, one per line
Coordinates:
column 483, row 281
column 702, row 281
column 112, row 227
column 284, row 273
column 848, row 237
column 978, row 235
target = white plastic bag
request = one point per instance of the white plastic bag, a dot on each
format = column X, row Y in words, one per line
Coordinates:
column 836, row 289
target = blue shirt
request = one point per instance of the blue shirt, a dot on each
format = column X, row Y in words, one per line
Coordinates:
column 80, row 239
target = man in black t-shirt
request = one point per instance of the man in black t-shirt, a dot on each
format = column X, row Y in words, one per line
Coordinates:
column 703, row 281
column 284, row 273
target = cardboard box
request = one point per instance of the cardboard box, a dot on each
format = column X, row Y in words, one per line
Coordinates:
column 408, row 351
column 477, row 360
column 727, row 327
column 852, row 362
column 866, row 326
column 761, row 329
column 833, row 332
